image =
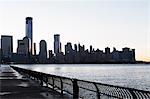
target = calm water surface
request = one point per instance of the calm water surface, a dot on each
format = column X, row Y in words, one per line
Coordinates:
column 128, row 75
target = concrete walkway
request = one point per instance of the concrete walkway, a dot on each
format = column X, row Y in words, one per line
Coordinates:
column 15, row 86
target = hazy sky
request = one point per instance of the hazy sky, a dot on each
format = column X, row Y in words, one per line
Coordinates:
column 101, row 23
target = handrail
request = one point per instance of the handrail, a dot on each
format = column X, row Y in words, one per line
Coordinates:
column 84, row 89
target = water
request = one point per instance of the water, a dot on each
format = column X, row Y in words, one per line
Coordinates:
column 127, row 75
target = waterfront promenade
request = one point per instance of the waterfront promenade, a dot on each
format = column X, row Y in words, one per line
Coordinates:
column 38, row 85
column 15, row 86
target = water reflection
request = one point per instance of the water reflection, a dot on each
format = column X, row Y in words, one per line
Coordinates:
column 57, row 68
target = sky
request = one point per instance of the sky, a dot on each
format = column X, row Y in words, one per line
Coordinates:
column 100, row 23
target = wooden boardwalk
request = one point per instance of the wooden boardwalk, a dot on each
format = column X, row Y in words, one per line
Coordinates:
column 15, row 86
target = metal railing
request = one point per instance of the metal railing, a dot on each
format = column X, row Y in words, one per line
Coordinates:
column 83, row 89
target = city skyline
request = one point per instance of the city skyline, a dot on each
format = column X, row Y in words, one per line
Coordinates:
column 72, row 55
column 84, row 26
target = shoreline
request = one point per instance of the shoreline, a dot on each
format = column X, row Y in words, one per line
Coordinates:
column 137, row 62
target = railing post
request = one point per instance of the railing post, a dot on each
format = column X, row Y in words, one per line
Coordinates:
column 98, row 94
column 53, row 82
column 46, row 80
column 41, row 79
column 61, row 86
column 75, row 89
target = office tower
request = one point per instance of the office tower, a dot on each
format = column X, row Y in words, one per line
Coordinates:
column 6, row 46
column 57, row 44
column 68, row 48
column 43, row 51
column 23, row 46
column 29, row 30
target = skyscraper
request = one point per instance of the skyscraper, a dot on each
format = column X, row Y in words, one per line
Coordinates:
column 43, row 51
column 7, row 46
column 29, row 32
column 68, row 48
column 23, row 46
column 57, row 44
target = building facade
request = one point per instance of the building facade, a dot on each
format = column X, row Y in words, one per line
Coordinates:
column 23, row 46
column 43, row 52
column 29, row 32
column 57, row 44
column 6, row 46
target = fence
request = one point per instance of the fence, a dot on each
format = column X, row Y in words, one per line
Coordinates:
column 84, row 89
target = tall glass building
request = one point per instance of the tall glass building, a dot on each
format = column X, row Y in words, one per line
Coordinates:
column 57, row 44
column 29, row 30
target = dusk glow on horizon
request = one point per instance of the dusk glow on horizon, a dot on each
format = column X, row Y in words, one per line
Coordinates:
column 100, row 23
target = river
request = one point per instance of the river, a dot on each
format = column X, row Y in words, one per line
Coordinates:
column 127, row 75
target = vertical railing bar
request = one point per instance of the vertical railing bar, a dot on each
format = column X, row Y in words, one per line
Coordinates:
column 46, row 80
column 110, row 91
column 53, row 83
column 124, row 94
column 139, row 96
column 145, row 95
column 102, row 88
column 148, row 95
column 142, row 95
column 61, row 86
column 133, row 94
column 41, row 79
column 118, row 92
column 106, row 89
column 128, row 93
column 75, row 89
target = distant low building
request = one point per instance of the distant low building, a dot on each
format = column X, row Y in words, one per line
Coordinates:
column 128, row 55
column 116, row 55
